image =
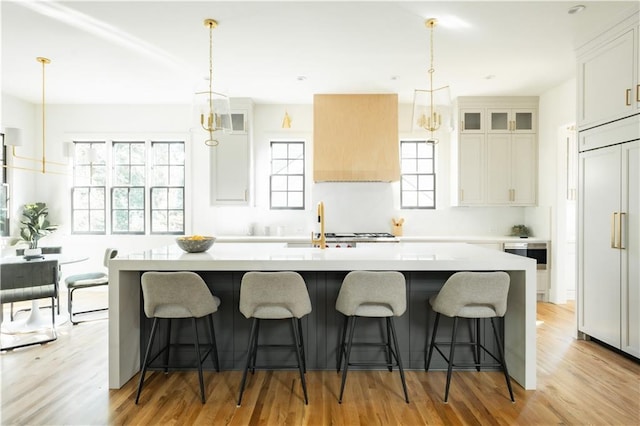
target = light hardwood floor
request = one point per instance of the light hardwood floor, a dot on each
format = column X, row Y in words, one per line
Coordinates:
column 65, row 382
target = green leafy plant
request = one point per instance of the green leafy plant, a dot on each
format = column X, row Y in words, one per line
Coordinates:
column 36, row 224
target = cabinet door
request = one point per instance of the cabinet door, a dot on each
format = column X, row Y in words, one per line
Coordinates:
column 523, row 121
column 471, row 120
column 599, row 262
column 524, row 166
column 499, row 190
column 471, row 160
column 606, row 83
column 631, row 253
column 499, row 120
column 230, row 170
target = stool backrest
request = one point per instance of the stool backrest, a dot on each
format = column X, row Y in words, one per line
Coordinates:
column 286, row 289
column 372, row 287
column 176, row 293
column 473, row 289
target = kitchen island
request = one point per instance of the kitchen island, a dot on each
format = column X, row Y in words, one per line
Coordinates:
column 425, row 265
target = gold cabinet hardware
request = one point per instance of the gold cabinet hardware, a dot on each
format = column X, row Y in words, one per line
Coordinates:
column 637, row 92
column 620, row 217
column 613, row 230
column 627, row 97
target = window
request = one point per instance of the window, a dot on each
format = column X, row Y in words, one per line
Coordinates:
column 141, row 192
column 88, row 195
column 418, row 181
column 167, row 190
column 4, row 192
column 287, row 175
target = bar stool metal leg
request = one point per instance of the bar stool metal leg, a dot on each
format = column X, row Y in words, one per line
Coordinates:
column 502, row 361
column 341, row 344
column 168, row 346
column 352, row 321
column 304, row 356
column 389, row 360
column 451, row 355
column 199, row 357
column 390, row 322
column 214, row 344
column 296, row 336
column 250, row 351
column 427, row 361
column 154, row 328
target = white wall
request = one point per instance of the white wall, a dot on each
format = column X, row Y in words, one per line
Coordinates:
column 557, row 110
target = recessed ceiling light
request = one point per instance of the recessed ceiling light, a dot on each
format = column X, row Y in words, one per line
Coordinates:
column 301, row 78
column 576, row 9
column 490, row 77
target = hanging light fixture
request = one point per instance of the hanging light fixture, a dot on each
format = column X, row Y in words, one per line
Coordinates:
column 215, row 113
column 13, row 136
column 426, row 116
column 286, row 120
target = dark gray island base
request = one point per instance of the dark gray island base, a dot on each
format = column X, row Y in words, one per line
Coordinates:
column 426, row 267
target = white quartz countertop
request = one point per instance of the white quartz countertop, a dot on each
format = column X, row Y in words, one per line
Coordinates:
column 414, row 256
column 408, row 239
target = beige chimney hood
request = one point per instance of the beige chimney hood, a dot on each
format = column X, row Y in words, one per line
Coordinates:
column 355, row 138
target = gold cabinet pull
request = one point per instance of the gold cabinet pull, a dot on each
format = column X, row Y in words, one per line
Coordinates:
column 462, row 125
column 637, row 92
column 613, row 230
column 627, row 97
column 620, row 217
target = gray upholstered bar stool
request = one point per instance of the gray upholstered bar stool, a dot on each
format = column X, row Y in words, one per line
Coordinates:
column 274, row 296
column 177, row 295
column 380, row 294
column 473, row 295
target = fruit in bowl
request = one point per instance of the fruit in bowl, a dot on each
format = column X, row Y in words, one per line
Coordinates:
column 195, row 243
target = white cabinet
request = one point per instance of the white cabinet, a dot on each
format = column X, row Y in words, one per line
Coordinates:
column 516, row 120
column 230, row 160
column 608, row 79
column 609, row 247
column 471, row 165
column 498, row 158
column 511, row 169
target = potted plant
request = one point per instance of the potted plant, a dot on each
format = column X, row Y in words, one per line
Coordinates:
column 36, row 224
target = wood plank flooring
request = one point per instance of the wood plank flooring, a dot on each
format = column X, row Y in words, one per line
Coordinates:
column 65, row 382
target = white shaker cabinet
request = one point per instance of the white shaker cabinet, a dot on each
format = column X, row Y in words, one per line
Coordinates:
column 609, row 251
column 230, row 160
column 497, row 159
column 608, row 75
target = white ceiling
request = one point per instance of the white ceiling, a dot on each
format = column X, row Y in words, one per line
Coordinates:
column 156, row 52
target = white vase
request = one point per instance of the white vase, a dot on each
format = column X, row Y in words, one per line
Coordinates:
column 33, row 252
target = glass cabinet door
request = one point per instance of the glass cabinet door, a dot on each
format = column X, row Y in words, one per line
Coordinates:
column 471, row 121
column 511, row 120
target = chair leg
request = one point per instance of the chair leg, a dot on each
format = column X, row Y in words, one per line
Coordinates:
column 53, row 320
column 304, row 356
column 214, row 344
column 427, row 360
column 476, row 347
column 398, row 357
column 70, row 305
column 451, row 355
column 343, row 338
column 11, row 316
column 199, row 357
column 154, row 328
column 254, row 353
column 388, row 347
column 168, row 340
column 297, row 335
column 352, row 320
column 502, row 360
column 254, row 325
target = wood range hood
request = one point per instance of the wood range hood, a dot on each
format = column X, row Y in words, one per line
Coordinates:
column 355, row 138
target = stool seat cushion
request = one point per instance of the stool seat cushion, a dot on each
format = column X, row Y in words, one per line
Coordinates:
column 274, row 295
column 89, row 279
column 372, row 294
column 473, row 295
column 177, row 295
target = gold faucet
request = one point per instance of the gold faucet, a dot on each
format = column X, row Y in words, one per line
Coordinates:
column 322, row 241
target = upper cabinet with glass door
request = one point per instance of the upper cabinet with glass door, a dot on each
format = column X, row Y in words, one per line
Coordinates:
column 471, row 120
column 502, row 120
